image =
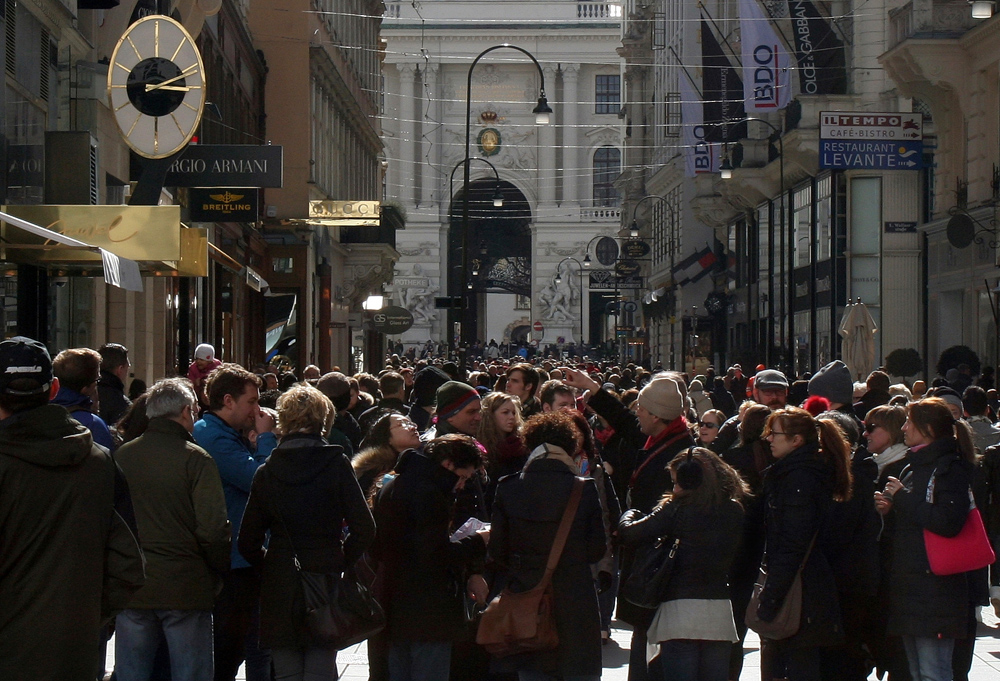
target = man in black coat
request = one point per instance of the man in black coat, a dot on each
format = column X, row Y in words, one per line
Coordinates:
column 111, row 385
column 423, row 595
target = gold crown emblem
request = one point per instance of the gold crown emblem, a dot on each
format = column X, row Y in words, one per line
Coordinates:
column 228, row 197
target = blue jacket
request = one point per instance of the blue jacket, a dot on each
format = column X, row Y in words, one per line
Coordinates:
column 237, row 465
column 78, row 405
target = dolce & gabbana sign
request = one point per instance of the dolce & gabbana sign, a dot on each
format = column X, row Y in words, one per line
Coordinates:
column 223, row 165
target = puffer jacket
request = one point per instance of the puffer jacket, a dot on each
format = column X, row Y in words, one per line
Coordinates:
column 922, row 603
column 798, row 498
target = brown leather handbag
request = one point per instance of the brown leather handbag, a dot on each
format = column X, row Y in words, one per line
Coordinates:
column 789, row 618
column 525, row 622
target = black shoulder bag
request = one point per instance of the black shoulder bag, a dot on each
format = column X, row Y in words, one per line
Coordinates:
column 339, row 610
column 646, row 584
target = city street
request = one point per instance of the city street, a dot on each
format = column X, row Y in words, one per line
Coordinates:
column 353, row 662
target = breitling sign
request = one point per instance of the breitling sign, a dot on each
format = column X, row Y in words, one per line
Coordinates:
column 222, row 205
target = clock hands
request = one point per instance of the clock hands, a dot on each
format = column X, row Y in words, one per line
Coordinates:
column 186, row 72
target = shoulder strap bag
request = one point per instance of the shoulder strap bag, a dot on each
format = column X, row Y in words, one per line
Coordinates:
column 646, row 584
column 786, row 623
column 968, row 550
column 525, row 622
column 339, row 610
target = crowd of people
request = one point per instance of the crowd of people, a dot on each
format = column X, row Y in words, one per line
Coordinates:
column 179, row 520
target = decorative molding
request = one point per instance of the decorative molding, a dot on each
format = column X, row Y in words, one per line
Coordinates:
column 553, row 248
column 423, row 248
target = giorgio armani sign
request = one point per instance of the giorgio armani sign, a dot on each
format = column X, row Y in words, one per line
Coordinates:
column 224, row 165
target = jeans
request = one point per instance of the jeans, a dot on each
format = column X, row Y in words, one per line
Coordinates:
column 542, row 676
column 419, row 661
column 929, row 658
column 305, row 664
column 690, row 660
column 237, row 628
column 189, row 639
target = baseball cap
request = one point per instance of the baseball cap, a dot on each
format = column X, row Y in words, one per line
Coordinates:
column 24, row 359
column 204, row 351
column 770, row 379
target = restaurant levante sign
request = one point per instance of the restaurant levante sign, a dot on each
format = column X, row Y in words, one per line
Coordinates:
column 223, row 165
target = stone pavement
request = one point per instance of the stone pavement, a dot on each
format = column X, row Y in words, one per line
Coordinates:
column 353, row 662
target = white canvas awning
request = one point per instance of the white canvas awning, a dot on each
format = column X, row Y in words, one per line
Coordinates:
column 118, row 271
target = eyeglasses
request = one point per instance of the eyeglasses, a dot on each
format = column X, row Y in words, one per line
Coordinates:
column 707, row 424
column 777, row 432
column 870, row 427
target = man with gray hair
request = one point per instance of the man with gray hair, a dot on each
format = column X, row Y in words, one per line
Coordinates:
column 181, row 513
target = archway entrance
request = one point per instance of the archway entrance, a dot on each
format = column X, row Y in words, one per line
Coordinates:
column 499, row 262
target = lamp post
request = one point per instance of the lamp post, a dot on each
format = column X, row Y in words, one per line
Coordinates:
column 673, row 255
column 558, row 280
column 542, row 112
column 726, row 173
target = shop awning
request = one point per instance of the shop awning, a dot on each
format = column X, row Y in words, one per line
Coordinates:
column 118, row 271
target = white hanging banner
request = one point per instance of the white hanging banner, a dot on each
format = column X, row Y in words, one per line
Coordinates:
column 699, row 156
column 766, row 73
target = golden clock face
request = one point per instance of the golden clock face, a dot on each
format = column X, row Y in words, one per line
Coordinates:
column 156, row 86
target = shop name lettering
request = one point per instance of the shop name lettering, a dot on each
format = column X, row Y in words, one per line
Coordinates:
column 765, row 76
column 83, row 232
column 219, row 165
column 226, row 207
column 807, row 59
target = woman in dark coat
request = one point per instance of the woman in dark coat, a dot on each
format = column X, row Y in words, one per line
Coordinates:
column 694, row 625
column 304, row 494
column 929, row 611
column 526, row 515
column 813, row 470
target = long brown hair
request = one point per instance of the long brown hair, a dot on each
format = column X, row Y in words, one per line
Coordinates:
column 489, row 434
column 933, row 418
column 719, row 481
column 825, row 433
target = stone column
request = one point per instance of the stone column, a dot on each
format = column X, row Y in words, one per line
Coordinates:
column 407, row 128
column 429, row 91
column 547, row 153
column 572, row 173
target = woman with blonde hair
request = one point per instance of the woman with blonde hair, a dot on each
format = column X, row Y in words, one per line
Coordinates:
column 931, row 493
column 812, row 471
column 304, row 495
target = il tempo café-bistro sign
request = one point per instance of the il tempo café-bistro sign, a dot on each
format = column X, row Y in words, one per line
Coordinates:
column 223, row 165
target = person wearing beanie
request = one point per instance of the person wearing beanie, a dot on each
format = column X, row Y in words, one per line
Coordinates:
column 833, row 382
column 457, row 407
column 877, row 393
column 345, row 430
column 699, row 398
column 205, row 362
column 950, row 396
column 423, row 395
column 651, row 438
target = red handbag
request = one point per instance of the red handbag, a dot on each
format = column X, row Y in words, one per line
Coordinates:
column 968, row 550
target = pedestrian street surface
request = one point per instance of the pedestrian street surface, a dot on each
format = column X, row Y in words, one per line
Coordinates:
column 353, row 662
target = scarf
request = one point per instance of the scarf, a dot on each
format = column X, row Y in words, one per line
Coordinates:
column 547, row 451
column 892, row 454
column 675, row 427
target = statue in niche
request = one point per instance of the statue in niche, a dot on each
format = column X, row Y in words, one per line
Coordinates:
column 419, row 300
column 560, row 298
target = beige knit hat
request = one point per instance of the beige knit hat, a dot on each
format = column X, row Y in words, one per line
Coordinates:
column 662, row 398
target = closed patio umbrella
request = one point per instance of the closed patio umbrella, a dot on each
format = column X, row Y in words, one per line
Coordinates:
column 858, row 331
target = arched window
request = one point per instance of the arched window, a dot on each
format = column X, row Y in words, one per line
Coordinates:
column 607, row 167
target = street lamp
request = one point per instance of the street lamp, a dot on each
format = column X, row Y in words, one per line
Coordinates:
column 791, row 251
column 558, row 280
column 497, row 194
column 673, row 255
column 542, row 113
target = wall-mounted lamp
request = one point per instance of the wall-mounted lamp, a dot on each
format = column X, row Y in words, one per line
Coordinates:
column 373, row 302
column 982, row 9
column 726, row 169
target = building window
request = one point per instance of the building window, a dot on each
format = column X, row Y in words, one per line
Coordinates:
column 609, row 94
column 673, row 106
column 607, row 167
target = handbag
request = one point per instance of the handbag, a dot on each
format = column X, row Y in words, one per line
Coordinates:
column 525, row 621
column 968, row 550
column 786, row 623
column 646, row 584
column 339, row 610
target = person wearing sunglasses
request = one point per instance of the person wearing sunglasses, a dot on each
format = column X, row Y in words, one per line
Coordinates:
column 708, row 426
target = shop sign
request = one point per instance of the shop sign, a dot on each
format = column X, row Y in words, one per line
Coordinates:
column 627, row 267
column 607, row 251
column 392, row 320
column 222, row 205
column 223, row 165
column 875, row 141
column 900, row 227
column 635, row 248
column 605, row 280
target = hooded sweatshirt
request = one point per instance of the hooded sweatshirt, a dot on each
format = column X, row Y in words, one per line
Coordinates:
column 69, row 559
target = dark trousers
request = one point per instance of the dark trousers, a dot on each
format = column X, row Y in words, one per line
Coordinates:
column 237, row 628
column 778, row 661
column 961, row 656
